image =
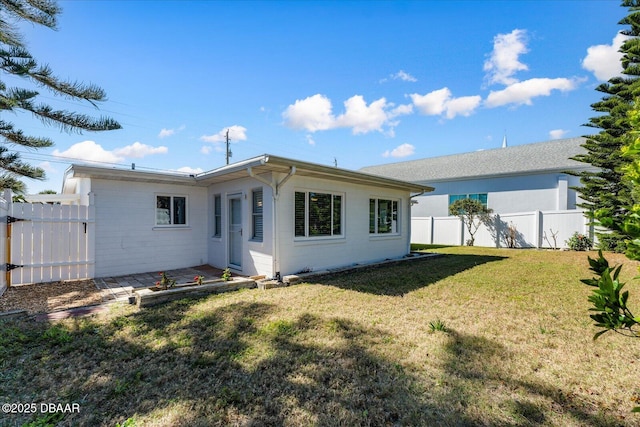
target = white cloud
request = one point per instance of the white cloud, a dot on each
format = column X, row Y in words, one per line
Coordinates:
column 189, row 170
column 463, row 106
column 557, row 133
column 504, row 61
column 206, row 149
column 310, row 139
column 315, row 113
column 89, row 151
column 523, row 92
column 441, row 102
column 400, row 75
column 401, row 110
column 433, row 103
column 138, row 150
column 603, row 60
column 236, row 133
column 47, row 167
column 362, row 118
column 164, row 133
column 403, row 150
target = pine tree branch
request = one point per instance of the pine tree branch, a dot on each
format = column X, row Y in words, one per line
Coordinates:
column 17, row 137
column 42, row 12
column 72, row 122
column 11, row 162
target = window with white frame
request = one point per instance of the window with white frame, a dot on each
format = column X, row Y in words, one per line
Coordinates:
column 318, row 214
column 217, row 215
column 171, row 210
column 383, row 216
column 256, row 213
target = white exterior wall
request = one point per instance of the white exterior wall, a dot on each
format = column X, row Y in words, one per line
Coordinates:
column 505, row 194
column 296, row 254
column 127, row 240
column 256, row 258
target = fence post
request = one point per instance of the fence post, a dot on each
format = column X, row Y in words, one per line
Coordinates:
column 498, row 223
column 431, row 229
column 538, row 229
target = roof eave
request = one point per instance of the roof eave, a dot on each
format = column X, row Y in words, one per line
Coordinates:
column 260, row 164
column 347, row 175
column 86, row 171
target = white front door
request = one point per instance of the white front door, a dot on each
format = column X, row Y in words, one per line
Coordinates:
column 235, row 231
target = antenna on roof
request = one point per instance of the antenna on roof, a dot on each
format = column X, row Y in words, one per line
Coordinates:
column 504, row 140
column 335, row 162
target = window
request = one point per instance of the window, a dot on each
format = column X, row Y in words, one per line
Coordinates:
column 171, row 210
column 217, row 215
column 257, row 215
column 383, row 216
column 482, row 197
column 317, row 214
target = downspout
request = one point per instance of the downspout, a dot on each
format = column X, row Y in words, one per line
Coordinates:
column 409, row 227
column 275, row 192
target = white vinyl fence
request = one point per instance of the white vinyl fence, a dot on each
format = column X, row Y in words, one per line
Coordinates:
column 45, row 242
column 533, row 229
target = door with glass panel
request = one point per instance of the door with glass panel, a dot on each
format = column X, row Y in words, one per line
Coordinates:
column 235, row 231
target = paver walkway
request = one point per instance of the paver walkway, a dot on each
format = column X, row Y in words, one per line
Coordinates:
column 120, row 288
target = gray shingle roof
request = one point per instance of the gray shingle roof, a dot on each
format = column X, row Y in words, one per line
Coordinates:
column 520, row 159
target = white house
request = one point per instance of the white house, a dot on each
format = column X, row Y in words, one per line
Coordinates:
column 264, row 216
column 527, row 186
column 520, row 178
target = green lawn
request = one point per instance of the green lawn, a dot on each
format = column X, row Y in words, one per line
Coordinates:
column 362, row 348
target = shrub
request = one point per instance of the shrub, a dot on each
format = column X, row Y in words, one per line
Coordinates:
column 611, row 244
column 579, row 242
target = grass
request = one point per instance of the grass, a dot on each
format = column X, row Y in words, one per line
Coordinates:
column 476, row 337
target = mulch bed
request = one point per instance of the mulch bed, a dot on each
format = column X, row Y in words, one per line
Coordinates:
column 49, row 297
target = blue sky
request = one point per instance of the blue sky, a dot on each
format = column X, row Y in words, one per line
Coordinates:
column 360, row 83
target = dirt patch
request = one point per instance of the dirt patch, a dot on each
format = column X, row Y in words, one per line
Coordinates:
column 48, row 297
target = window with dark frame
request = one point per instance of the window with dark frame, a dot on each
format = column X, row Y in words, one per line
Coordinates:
column 171, row 210
column 217, row 215
column 317, row 214
column 482, row 197
column 383, row 216
column 257, row 206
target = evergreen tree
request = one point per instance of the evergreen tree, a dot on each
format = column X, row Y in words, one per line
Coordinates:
column 605, row 190
column 16, row 60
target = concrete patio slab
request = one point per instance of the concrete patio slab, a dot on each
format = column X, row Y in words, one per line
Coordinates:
column 120, row 288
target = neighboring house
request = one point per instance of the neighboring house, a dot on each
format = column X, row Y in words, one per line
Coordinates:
column 521, row 178
column 264, row 216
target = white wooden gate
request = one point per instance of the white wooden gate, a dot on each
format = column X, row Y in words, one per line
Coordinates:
column 48, row 242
